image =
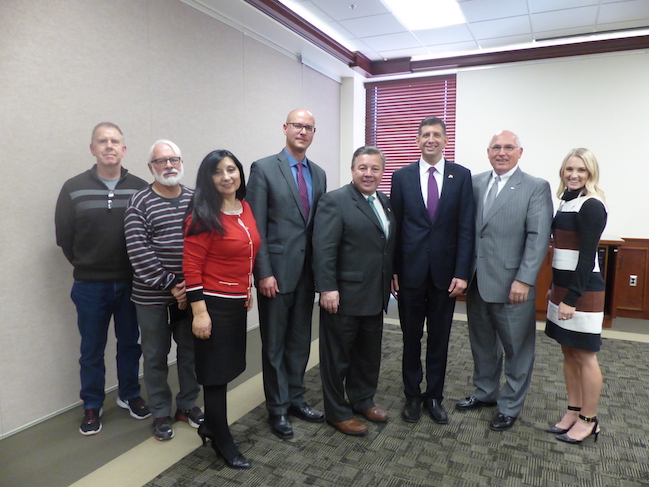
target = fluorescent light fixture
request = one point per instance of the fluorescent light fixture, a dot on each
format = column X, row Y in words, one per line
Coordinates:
column 426, row 14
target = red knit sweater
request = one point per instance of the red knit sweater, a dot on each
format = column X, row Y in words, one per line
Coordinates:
column 221, row 265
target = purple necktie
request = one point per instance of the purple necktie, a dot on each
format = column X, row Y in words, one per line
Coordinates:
column 304, row 192
column 433, row 194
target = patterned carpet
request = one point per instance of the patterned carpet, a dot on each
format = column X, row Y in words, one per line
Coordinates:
column 464, row 452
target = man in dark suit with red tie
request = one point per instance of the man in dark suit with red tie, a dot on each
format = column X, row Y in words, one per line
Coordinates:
column 433, row 204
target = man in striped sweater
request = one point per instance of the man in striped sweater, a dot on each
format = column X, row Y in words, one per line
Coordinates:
column 154, row 240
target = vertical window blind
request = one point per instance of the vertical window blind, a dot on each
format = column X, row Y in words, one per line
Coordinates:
column 394, row 110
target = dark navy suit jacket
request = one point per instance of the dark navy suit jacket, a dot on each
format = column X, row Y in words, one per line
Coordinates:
column 443, row 247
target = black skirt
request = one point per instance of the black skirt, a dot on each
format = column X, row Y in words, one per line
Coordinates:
column 222, row 357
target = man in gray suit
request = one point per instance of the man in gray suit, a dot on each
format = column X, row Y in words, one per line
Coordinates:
column 353, row 247
column 283, row 191
column 513, row 219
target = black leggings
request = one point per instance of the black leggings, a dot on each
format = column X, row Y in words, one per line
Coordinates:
column 216, row 417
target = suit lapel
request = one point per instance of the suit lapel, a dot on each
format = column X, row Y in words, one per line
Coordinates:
column 364, row 205
column 414, row 188
column 287, row 173
column 506, row 194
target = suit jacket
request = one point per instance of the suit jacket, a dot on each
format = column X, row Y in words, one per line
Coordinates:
column 273, row 196
column 351, row 253
column 443, row 247
column 512, row 240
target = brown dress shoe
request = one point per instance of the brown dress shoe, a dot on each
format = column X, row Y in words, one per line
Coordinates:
column 352, row 427
column 375, row 414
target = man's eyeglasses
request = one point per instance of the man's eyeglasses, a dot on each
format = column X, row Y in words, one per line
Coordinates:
column 506, row 148
column 175, row 161
column 298, row 127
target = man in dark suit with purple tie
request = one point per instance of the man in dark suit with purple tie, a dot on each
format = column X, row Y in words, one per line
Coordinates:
column 433, row 204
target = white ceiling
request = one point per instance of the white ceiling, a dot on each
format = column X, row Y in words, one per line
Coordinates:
column 493, row 25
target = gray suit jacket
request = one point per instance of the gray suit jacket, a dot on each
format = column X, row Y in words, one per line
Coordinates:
column 351, row 254
column 512, row 240
column 273, row 196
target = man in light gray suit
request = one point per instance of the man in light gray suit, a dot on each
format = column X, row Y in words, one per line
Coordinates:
column 283, row 191
column 513, row 219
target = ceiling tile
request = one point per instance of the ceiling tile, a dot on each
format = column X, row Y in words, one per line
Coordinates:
column 510, row 41
column 563, row 19
column 340, row 9
column 453, row 48
column 623, row 11
column 480, row 10
column 501, row 28
column 444, row 35
column 374, row 25
column 392, row 41
column 537, row 6
column 400, row 53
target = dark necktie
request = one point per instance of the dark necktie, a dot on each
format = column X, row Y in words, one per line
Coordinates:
column 491, row 197
column 433, row 194
column 304, row 192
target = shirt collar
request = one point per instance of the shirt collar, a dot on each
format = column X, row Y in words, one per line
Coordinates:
column 424, row 166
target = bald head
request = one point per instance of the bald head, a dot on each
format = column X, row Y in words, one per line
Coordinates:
column 299, row 130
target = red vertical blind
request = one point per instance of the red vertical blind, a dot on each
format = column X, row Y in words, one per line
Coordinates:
column 393, row 112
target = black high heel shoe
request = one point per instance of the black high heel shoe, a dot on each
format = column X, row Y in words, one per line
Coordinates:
column 205, row 433
column 595, row 431
column 558, row 431
column 238, row 461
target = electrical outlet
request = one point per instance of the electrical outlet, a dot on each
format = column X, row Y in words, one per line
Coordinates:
column 633, row 281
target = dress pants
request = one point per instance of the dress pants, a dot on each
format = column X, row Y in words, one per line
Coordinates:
column 434, row 306
column 159, row 323
column 494, row 329
column 285, row 327
column 350, row 359
column 96, row 303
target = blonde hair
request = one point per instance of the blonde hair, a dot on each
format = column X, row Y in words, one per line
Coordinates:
column 592, row 184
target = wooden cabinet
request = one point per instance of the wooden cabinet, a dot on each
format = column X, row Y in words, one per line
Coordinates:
column 630, row 298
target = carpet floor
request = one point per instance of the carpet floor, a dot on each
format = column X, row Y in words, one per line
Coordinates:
column 463, row 453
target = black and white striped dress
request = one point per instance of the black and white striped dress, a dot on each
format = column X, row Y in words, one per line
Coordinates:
column 576, row 276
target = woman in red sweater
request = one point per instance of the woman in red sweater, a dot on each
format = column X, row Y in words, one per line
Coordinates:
column 221, row 241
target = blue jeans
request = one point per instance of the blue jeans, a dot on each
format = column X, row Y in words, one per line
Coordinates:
column 96, row 302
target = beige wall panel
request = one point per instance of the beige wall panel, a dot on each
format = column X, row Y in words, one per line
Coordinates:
column 325, row 150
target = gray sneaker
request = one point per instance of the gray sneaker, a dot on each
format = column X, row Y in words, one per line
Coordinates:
column 162, row 429
column 193, row 416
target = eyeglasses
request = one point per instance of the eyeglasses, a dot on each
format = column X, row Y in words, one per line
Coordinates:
column 111, row 195
column 175, row 161
column 508, row 148
column 298, row 127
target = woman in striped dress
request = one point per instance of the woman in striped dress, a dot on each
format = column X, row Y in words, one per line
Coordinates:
column 576, row 300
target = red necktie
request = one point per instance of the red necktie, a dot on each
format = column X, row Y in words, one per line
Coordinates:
column 304, row 192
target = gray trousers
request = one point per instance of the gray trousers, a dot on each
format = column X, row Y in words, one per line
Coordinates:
column 157, row 330
column 497, row 329
column 285, row 327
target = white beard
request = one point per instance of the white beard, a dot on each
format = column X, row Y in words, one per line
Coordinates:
column 171, row 180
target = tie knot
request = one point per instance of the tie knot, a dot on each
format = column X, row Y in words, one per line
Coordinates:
column 370, row 199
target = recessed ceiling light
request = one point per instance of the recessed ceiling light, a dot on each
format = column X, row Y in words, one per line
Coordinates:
column 426, row 14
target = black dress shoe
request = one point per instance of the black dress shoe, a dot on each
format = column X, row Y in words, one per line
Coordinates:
column 412, row 410
column 307, row 413
column 502, row 422
column 436, row 411
column 281, row 426
column 472, row 403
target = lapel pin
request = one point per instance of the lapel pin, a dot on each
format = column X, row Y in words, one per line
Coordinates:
column 450, row 176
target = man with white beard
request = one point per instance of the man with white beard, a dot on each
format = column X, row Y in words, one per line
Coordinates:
column 154, row 240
